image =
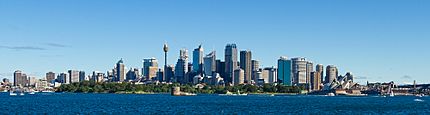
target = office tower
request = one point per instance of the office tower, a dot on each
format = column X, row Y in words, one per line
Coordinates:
column 169, row 73
column 230, row 62
column 198, row 59
column 320, row 70
column 254, row 68
column 82, row 76
column 63, row 78
column 246, row 64
column 32, row 81
column 285, row 72
column 165, row 49
column 271, row 74
column 239, row 76
column 315, row 80
column 132, row 74
column 150, row 67
column 19, row 78
column 50, row 76
column 331, row 74
column 220, row 68
column 160, row 74
column 181, row 67
column 73, row 76
column 309, row 69
column 97, row 76
column 210, row 63
column 299, row 70
column 120, row 71
column 111, row 75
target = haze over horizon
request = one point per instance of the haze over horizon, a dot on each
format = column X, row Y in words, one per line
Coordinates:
column 378, row 41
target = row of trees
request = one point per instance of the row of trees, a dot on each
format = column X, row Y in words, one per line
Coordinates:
column 109, row 87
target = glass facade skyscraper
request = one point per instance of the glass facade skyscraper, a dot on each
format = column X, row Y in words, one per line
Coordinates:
column 285, row 71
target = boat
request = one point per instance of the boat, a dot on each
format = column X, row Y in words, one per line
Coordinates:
column 418, row 100
column 228, row 93
column 330, row 94
column 21, row 94
column 12, row 94
column 32, row 93
column 391, row 94
column 47, row 91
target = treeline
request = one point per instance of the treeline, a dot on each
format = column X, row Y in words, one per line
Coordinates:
column 109, row 87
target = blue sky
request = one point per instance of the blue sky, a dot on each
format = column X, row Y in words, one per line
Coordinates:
column 376, row 40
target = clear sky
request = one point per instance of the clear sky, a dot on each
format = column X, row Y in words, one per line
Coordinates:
column 376, row 40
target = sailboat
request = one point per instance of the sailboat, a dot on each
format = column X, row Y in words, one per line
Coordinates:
column 391, row 94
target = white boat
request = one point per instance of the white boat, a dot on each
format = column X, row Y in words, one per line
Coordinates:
column 31, row 93
column 47, row 91
column 391, row 94
column 5, row 91
column 12, row 94
column 330, row 94
column 418, row 100
column 21, row 94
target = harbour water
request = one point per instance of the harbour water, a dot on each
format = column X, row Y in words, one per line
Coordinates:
column 71, row 103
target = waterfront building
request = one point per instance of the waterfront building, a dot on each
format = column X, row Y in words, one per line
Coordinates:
column 198, row 60
column 82, row 76
column 98, row 76
column 181, row 67
column 73, row 76
column 32, row 81
column 299, row 70
column 255, row 67
column 132, row 74
column 50, row 77
column 315, row 81
column 210, row 63
column 331, row 74
column 285, row 72
column 320, row 70
column 246, row 64
column 150, row 67
column 63, row 78
column 272, row 76
column 231, row 62
column 239, row 75
column 120, row 71
column 19, row 78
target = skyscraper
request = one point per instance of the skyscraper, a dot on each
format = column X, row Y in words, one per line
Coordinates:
column 19, row 78
column 239, row 76
column 210, row 63
column 150, row 67
column 320, row 70
column 230, row 62
column 315, row 80
column 169, row 73
column 132, row 74
column 120, row 71
column 331, row 74
column 285, row 73
column 246, row 64
column 255, row 68
column 220, row 68
column 50, row 76
column 198, row 59
column 82, row 76
column 73, row 76
column 181, row 67
column 272, row 74
column 299, row 70
column 309, row 70
column 63, row 78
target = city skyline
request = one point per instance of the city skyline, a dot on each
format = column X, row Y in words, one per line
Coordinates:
column 374, row 43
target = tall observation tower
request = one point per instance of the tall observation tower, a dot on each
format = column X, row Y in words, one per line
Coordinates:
column 165, row 49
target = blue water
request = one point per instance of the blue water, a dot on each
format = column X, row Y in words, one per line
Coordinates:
column 67, row 103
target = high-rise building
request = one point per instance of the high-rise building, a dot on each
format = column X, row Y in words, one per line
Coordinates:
column 320, row 70
column 210, row 63
column 120, row 71
column 82, row 76
column 73, row 76
column 132, row 74
column 63, row 78
column 272, row 74
column 239, row 76
column 98, row 76
column 246, row 64
column 309, row 69
column 254, row 68
column 299, row 70
column 220, row 68
column 181, row 67
column 148, row 68
column 285, row 72
column 169, row 73
column 19, row 78
column 50, row 76
column 198, row 59
column 32, row 81
column 315, row 80
column 230, row 62
column 331, row 74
